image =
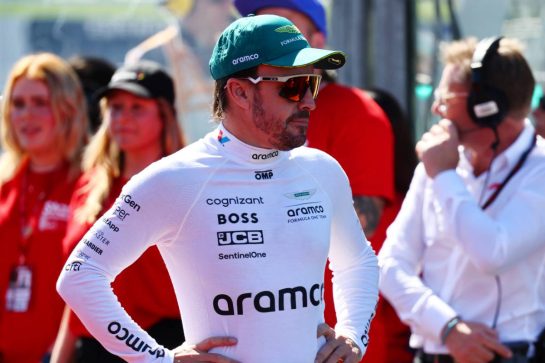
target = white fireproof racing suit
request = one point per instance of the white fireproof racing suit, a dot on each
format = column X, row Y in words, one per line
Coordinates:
column 245, row 234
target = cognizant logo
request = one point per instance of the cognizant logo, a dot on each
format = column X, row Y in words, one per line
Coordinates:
column 269, row 301
column 245, row 58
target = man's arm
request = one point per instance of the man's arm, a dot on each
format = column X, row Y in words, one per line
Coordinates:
column 355, row 277
column 369, row 210
column 137, row 219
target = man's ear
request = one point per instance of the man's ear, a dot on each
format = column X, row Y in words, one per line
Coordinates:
column 238, row 91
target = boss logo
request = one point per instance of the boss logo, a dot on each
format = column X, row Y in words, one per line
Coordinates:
column 263, row 174
column 235, row 218
column 227, row 238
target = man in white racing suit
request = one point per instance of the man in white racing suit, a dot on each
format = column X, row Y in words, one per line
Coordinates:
column 244, row 218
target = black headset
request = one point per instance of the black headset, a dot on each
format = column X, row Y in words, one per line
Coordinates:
column 487, row 105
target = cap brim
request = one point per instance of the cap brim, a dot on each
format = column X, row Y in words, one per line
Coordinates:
column 319, row 58
column 127, row 86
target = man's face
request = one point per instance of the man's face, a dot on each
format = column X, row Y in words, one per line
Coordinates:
column 282, row 124
column 451, row 103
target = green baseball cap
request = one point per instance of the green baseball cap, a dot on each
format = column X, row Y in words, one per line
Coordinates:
column 267, row 39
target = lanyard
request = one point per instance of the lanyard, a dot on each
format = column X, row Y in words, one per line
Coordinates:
column 491, row 200
column 513, row 171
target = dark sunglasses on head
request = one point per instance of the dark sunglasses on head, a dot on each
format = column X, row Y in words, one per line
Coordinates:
column 295, row 87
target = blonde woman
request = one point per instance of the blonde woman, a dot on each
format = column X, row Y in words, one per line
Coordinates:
column 43, row 130
column 139, row 127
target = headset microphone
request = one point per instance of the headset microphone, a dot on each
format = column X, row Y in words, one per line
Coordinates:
column 487, row 105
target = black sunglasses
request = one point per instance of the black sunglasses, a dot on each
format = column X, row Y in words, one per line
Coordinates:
column 295, row 87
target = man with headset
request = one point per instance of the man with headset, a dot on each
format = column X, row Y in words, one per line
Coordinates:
column 464, row 261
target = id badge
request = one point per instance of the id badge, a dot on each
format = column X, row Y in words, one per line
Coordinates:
column 19, row 290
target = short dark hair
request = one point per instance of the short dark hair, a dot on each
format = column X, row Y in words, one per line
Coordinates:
column 221, row 102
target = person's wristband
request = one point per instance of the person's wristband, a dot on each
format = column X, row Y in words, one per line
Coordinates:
column 448, row 328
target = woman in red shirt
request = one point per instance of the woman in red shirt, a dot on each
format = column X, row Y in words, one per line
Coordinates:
column 44, row 125
column 139, row 127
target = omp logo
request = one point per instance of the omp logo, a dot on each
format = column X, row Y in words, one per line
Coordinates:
column 302, row 195
column 272, row 154
column 288, row 29
column 73, row 266
column 227, row 238
column 263, row 174
column 245, row 58
column 269, row 301
column 127, row 198
column 235, row 218
column 132, row 341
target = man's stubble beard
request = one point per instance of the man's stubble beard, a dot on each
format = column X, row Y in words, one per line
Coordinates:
column 278, row 134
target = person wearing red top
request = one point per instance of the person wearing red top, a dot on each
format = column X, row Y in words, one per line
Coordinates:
column 390, row 336
column 139, row 127
column 44, row 124
column 347, row 124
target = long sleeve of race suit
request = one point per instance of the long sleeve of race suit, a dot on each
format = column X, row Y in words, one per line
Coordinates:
column 245, row 234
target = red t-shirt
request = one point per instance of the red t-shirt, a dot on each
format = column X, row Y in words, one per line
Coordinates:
column 389, row 337
column 350, row 126
column 43, row 197
column 144, row 289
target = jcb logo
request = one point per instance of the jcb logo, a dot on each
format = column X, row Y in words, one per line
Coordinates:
column 240, row 238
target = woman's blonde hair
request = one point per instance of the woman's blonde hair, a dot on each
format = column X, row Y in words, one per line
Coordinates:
column 67, row 103
column 104, row 159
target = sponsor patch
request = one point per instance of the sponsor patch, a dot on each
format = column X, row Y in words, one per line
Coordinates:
column 226, row 238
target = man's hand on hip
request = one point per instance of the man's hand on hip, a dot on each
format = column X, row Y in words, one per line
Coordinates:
column 187, row 353
column 337, row 348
